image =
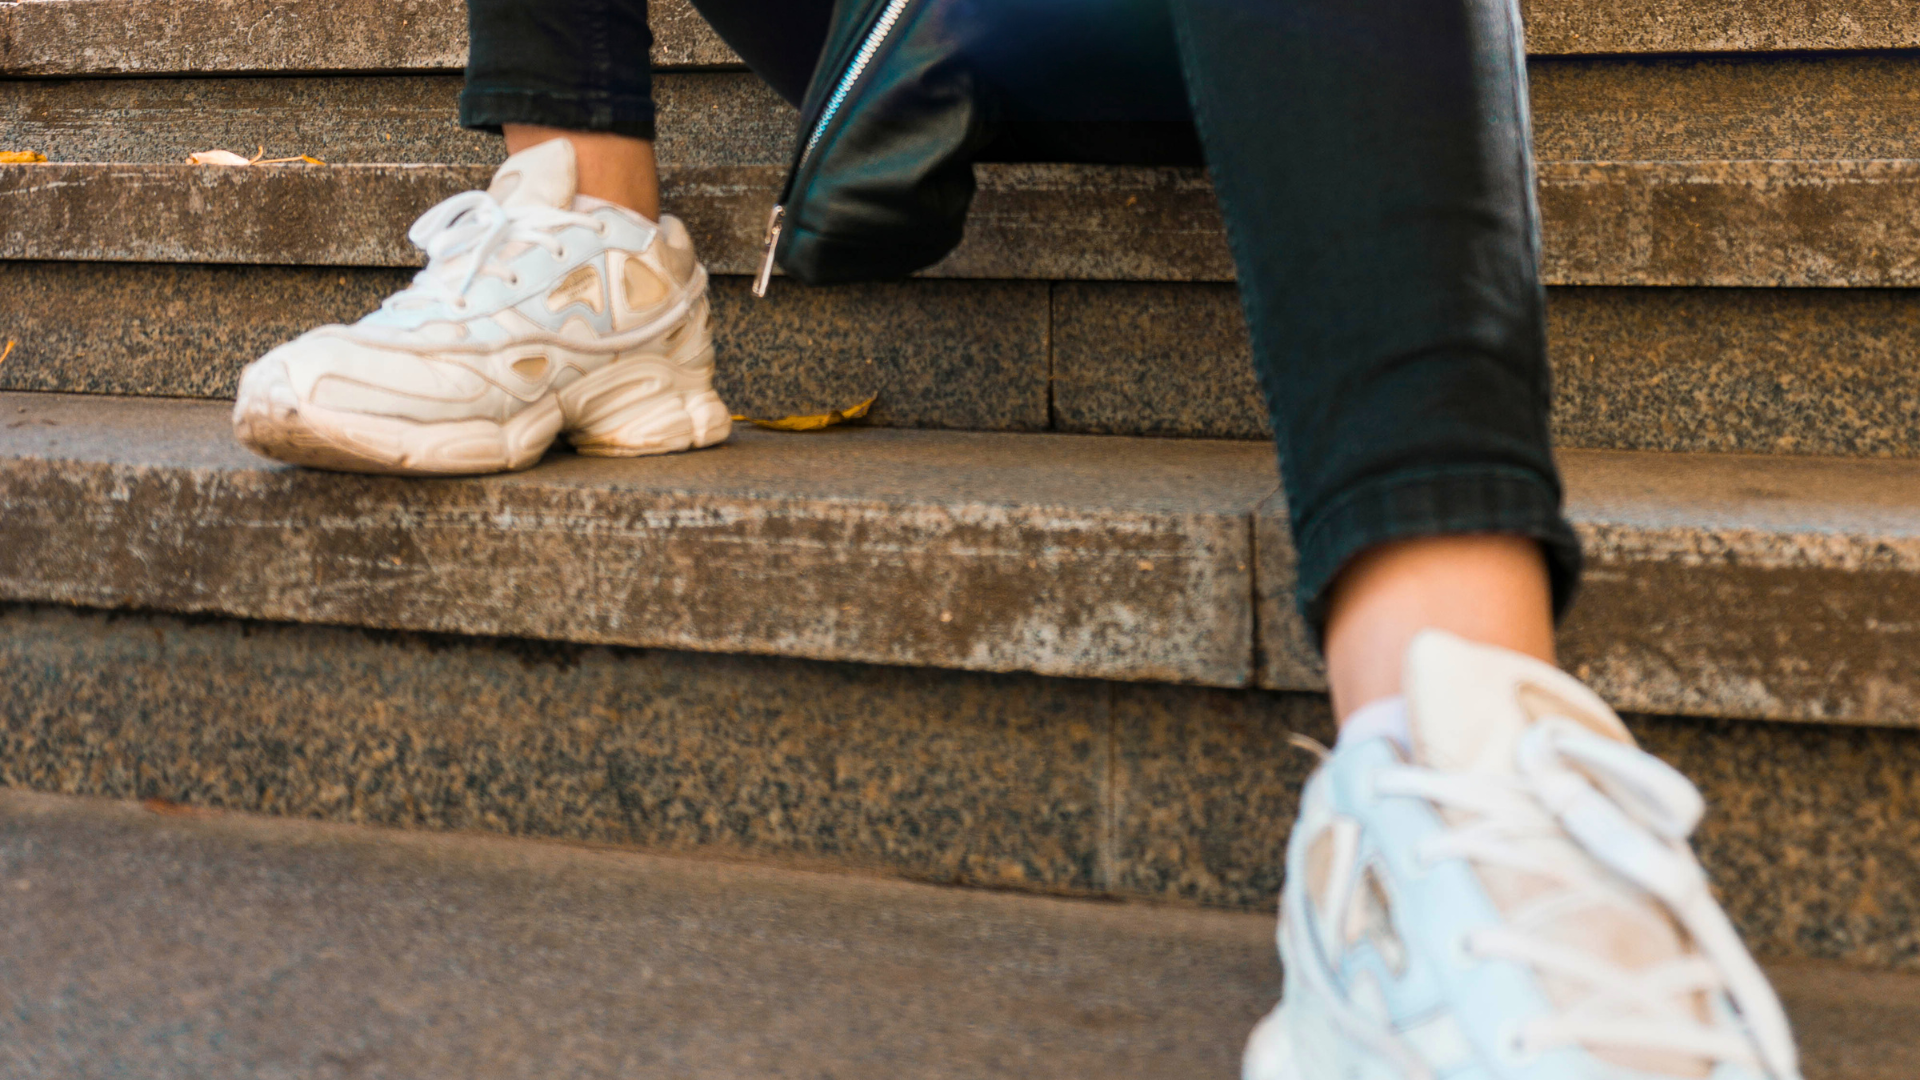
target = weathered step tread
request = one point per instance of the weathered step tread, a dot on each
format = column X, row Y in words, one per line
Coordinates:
column 303, row 948
column 226, row 946
column 1764, row 587
column 1066, row 555
column 1700, row 223
column 79, row 37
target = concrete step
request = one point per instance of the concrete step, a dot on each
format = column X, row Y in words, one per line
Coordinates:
column 1722, row 223
column 149, row 37
column 1738, row 107
column 40, row 38
column 1816, row 371
column 1722, row 585
column 1803, row 371
column 1006, row 781
column 311, row 950
column 1738, row 172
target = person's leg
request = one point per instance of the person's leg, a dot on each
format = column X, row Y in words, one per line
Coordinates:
column 1486, row 876
column 1371, row 157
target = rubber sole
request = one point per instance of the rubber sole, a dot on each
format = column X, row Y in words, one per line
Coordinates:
column 634, row 406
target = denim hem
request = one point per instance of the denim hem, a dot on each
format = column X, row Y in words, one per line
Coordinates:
column 487, row 108
column 1435, row 502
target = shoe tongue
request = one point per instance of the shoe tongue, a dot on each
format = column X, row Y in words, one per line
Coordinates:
column 1467, row 707
column 1468, row 704
column 543, row 175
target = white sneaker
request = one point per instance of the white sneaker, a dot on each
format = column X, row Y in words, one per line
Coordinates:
column 1512, row 898
column 539, row 312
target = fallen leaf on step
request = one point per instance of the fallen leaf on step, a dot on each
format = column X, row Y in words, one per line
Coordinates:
column 816, row 421
column 228, row 157
column 21, row 157
column 217, row 157
column 6, row 352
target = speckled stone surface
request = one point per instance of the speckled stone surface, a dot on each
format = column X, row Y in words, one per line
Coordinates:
column 1812, row 834
column 1153, row 359
column 1785, row 371
column 138, row 37
column 165, row 331
column 1731, row 223
column 1205, row 789
column 1781, row 371
column 1059, row 554
column 1662, row 26
column 206, row 948
column 1014, row 781
column 1815, row 371
column 1774, row 107
column 212, row 946
column 951, row 354
column 1716, row 585
column 705, row 118
column 1764, row 223
column 944, row 776
column 939, row 354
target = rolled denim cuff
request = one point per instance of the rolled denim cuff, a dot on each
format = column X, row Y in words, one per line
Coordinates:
column 1436, row 502
column 486, row 108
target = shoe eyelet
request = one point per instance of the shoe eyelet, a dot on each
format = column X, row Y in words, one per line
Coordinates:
column 1465, row 953
column 560, row 255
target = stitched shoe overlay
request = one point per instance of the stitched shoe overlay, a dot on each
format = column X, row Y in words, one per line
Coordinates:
column 1513, row 898
column 539, row 313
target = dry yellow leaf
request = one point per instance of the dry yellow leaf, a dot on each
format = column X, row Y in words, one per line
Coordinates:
column 816, row 421
column 217, row 157
column 21, row 157
column 6, row 352
column 228, row 157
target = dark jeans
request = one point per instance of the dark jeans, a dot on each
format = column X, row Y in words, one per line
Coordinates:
column 1373, row 164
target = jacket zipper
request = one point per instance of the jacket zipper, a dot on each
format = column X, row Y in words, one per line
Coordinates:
column 858, row 67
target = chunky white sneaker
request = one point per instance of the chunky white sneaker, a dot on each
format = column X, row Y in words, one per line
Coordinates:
column 539, row 312
column 1510, row 898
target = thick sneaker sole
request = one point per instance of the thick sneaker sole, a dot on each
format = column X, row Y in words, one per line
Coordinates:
column 637, row 405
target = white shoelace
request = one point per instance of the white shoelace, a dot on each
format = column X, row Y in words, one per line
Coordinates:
column 473, row 224
column 1630, row 813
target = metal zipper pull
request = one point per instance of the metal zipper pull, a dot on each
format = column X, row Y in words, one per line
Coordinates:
column 765, row 278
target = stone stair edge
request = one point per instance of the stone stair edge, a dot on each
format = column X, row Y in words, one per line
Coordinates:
column 1708, row 223
column 986, row 563
column 81, row 37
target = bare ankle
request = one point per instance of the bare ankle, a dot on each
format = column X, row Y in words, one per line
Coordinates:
column 1492, row 589
column 618, row 168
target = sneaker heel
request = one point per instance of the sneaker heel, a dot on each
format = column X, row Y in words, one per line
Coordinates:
column 631, row 409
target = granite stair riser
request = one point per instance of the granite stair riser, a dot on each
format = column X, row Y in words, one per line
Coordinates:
column 1773, row 108
column 1854, row 224
column 1776, row 588
column 135, row 37
column 1804, row 371
column 1019, row 782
